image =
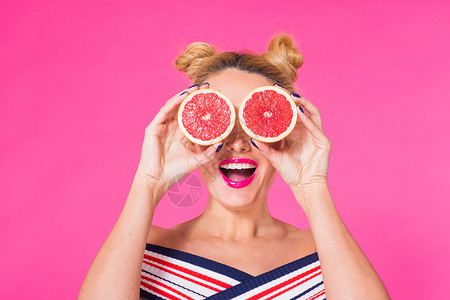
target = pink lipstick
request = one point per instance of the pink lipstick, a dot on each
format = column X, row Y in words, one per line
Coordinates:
column 238, row 172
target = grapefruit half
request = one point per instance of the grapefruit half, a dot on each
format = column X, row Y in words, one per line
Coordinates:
column 268, row 114
column 206, row 117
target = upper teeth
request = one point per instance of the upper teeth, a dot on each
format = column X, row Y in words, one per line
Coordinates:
column 238, row 166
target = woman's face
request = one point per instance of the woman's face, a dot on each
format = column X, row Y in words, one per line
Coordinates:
column 238, row 188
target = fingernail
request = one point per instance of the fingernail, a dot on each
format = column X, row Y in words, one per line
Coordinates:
column 192, row 86
column 206, row 83
column 218, row 148
column 277, row 84
column 299, row 107
column 183, row 93
column 296, row 95
column 253, row 143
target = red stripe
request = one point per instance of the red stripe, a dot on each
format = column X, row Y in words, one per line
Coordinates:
column 184, row 277
column 322, row 292
column 161, row 292
column 190, row 272
column 295, row 285
column 282, row 284
column 165, row 286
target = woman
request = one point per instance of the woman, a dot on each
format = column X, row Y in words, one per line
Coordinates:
column 235, row 248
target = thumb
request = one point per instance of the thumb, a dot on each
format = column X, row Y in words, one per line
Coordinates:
column 269, row 152
column 206, row 155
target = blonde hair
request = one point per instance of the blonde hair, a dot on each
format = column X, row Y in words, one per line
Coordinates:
column 279, row 63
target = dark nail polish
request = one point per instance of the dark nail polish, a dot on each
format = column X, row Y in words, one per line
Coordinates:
column 301, row 109
column 277, row 84
column 296, row 95
column 218, row 148
column 183, row 93
column 192, row 86
column 253, row 143
column 206, row 83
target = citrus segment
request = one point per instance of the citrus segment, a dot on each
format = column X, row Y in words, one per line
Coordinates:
column 206, row 116
column 268, row 114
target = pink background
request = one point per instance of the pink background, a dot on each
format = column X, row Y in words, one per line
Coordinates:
column 80, row 81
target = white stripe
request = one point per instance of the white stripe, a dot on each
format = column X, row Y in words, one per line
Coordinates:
column 281, row 279
column 204, row 271
column 310, row 282
column 153, row 292
column 164, row 274
column 174, row 286
column 304, row 286
column 178, row 281
column 290, row 293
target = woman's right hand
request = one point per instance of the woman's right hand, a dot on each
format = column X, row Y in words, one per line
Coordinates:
column 167, row 155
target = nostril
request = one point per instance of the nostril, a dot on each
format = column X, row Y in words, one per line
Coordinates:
column 239, row 145
column 237, row 141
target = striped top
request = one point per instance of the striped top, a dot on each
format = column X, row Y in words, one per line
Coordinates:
column 173, row 274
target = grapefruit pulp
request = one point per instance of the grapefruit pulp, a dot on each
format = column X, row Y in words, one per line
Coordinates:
column 206, row 117
column 268, row 114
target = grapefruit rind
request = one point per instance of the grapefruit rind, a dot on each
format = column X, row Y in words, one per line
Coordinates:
column 260, row 138
column 223, row 135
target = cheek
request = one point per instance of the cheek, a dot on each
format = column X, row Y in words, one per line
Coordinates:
column 266, row 169
column 208, row 172
column 270, row 172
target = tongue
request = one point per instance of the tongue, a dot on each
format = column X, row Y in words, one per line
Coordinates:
column 238, row 175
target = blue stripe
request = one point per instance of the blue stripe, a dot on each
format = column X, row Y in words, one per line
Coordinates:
column 248, row 282
column 265, row 278
column 200, row 262
column 149, row 296
column 308, row 290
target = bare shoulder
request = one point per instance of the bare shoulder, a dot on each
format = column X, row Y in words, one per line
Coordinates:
column 162, row 236
column 174, row 237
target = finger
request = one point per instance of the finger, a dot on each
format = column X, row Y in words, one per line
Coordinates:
column 281, row 87
column 308, row 107
column 207, row 154
column 311, row 110
column 268, row 151
column 204, row 85
column 186, row 92
column 169, row 110
column 187, row 143
column 294, row 96
column 315, row 131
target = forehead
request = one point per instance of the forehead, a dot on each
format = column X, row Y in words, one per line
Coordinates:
column 236, row 84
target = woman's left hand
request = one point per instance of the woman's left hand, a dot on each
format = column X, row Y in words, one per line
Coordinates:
column 302, row 157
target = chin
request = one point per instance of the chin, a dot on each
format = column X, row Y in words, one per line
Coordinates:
column 236, row 202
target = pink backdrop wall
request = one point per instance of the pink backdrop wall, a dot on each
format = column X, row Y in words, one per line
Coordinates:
column 80, row 81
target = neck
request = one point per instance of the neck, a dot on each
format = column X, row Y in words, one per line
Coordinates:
column 237, row 224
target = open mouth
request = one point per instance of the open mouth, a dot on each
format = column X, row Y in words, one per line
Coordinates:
column 238, row 172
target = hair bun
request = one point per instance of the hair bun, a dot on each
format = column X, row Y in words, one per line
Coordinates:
column 192, row 58
column 284, row 54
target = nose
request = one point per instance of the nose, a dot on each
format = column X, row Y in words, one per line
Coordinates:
column 238, row 141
